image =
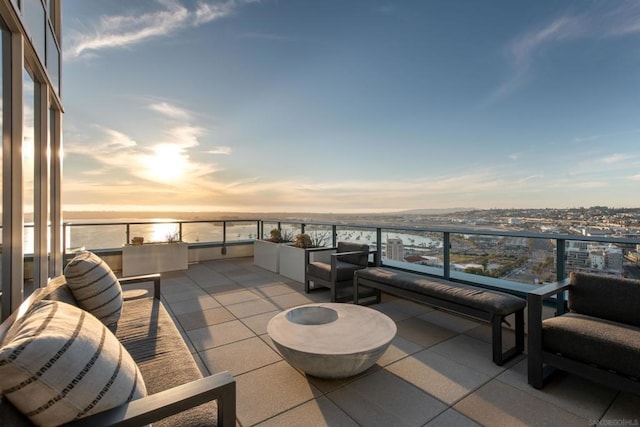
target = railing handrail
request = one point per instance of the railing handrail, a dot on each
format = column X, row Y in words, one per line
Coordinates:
column 475, row 231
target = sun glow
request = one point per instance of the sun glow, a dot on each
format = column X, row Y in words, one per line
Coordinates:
column 168, row 163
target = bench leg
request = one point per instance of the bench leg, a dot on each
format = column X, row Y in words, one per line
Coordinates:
column 500, row 357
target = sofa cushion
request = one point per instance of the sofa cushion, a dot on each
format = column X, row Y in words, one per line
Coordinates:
column 147, row 331
column 499, row 303
column 607, row 344
column 95, row 287
column 606, row 297
column 59, row 363
column 57, row 290
column 344, row 270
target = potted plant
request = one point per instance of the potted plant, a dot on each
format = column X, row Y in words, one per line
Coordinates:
column 266, row 253
column 292, row 259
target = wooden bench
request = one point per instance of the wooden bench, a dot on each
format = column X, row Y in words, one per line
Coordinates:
column 472, row 301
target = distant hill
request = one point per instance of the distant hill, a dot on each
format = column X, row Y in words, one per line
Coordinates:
column 433, row 211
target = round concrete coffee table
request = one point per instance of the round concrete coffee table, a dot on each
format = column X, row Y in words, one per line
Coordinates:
column 330, row 340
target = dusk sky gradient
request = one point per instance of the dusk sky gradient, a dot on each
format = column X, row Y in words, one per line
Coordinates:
column 350, row 105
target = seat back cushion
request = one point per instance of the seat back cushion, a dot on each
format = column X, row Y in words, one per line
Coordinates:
column 95, row 287
column 606, row 297
column 57, row 290
column 353, row 247
column 59, row 363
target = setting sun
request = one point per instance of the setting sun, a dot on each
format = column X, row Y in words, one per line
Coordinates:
column 167, row 163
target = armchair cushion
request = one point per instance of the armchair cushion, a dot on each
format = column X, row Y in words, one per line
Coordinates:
column 359, row 259
column 344, row 270
column 59, row 363
column 607, row 344
column 95, row 287
column 605, row 297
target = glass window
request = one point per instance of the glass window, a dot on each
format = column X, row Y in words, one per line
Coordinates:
column 2, row 35
column 28, row 171
column 53, row 60
column 34, row 19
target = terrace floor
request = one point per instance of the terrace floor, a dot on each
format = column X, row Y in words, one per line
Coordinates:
column 437, row 371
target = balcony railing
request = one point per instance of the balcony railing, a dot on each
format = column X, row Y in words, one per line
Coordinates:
column 512, row 261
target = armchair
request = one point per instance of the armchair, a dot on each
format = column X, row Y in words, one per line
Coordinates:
column 599, row 338
column 337, row 274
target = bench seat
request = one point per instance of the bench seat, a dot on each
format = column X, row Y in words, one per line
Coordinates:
column 472, row 301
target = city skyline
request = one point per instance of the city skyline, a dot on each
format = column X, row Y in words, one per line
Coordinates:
column 354, row 106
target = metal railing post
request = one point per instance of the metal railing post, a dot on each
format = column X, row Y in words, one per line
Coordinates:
column 447, row 255
column 128, row 234
column 561, row 273
column 334, row 236
column 180, row 231
column 223, row 251
column 378, row 246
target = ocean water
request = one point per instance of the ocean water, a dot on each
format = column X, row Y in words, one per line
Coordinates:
column 115, row 236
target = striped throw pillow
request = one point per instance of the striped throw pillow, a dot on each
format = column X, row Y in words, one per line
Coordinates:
column 59, row 363
column 95, row 287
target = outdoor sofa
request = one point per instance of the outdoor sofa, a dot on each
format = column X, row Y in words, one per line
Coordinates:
column 61, row 364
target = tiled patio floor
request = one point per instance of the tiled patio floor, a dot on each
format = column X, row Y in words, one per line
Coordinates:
column 437, row 372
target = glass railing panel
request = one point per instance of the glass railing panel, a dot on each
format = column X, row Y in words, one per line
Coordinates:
column 610, row 259
column 320, row 235
column 414, row 250
column 156, row 232
column 93, row 236
column 241, row 230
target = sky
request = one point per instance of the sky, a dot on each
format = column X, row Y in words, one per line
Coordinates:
column 350, row 105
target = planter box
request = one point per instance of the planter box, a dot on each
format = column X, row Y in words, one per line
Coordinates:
column 292, row 261
column 154, row 258
column 266, row 254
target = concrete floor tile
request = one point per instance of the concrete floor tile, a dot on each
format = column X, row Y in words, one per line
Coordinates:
column 383, row 399
column 273, row 290
column 191, row 305
column 422, row 332
column 449, row 321
column 452, row 418
column 439, row 376
column 570, row 392
column 398, row 349
column 258, row 323
column 239, row 357
column 200, row 319
column 625, row 408
column 236, row 297
column 318, row 413
column 217, row 335
column 470, row 352
column 269, row 391
column 501, row 405
column 290, row 300
column 251, row 308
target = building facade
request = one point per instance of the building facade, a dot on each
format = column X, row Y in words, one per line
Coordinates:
column 395, row 249
column 31, row 147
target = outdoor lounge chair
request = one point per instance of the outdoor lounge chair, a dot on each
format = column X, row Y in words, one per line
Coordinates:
column 338, row 274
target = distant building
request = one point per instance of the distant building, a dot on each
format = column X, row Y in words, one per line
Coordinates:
column 395, row 249
column 594, row 257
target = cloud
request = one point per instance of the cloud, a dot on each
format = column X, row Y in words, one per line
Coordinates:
column 621, row 20
column 635, row 177
column 170, row 111
column 616, row 158
column 220, row 150
column 121, row 31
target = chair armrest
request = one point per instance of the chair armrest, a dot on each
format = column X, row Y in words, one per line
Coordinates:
column 551, row 289
column 309, row 251
column 220, row 387
column 155, row 278
column 339, row 254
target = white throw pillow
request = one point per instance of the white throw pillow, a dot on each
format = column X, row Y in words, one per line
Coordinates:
column 95, row 287
column 59, row 363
